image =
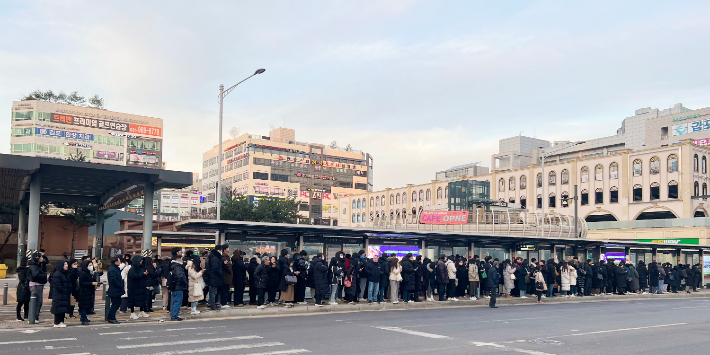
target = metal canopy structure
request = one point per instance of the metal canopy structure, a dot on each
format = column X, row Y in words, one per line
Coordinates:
column 253, row 230
column 30, row 181
column 165, row 237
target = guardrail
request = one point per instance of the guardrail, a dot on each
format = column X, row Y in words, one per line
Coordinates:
column 489, row 222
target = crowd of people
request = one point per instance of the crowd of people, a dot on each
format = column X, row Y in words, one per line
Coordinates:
column 219, row 279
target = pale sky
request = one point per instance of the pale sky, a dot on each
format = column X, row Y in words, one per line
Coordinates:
column 420, row 85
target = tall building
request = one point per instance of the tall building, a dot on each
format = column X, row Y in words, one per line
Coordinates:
column 279, row 166
column 53, row 130
column 461, row 171
column 516, row 152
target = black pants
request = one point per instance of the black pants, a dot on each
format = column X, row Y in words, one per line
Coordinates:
column 272, row 294
column 238, row 294
column 494, row 293
column 260, row 296
column 318, row 296
column 224, row 295
column 442, row 292
column 252, row 294
column 300, row 292
column 58, row 318
column 27, row 308
column 452, row 288
column 588, row 289
column 115, row 304
column 340, row 292
column 539, row 295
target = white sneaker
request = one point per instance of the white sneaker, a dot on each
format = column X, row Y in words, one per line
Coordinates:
column 163, row 308
column 543, row 296
column 454, row 299
column 143, row 314
column 523, row 296
column 319, row 305
column 134, row 316
column 60, row 325
column 261, row 307
column 194, row 311
column 225, row 306
column 333, row 303
column 473, row 298
column 394, row 302
column 303, row 302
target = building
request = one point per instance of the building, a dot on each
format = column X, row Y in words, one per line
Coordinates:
column 517, row 152
column 461, row 171
column 53, row 130
column 278, row 166
column 173, row 204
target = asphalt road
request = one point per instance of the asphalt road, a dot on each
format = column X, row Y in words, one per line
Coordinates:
column 624, row 327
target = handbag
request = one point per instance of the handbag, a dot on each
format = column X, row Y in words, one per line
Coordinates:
column 539, row 286
column 512, row 277
column 484, row 275
column 347, row 282
column 291, row 279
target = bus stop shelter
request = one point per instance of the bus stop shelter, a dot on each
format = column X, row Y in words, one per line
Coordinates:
column 30, row 181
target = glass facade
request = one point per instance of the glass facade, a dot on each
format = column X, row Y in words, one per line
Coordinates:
column 465, row 195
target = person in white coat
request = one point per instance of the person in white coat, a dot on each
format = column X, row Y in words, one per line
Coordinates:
column 573, row 280
column 125, row 267
column 395, row 279
column 451, row 270
column 565, row 278
column 195, row 293
column 508, row 277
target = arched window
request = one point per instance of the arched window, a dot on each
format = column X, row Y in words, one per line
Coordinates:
column 414, row 197
column 672, row 163
column 705, row 189
column 552, row 178
column 696, row 189
column 363, row 218
column 638, row 192
column 564, row 196
column 553, row 201
column 655, row 166
column 364, row 203
column 377, row 201
column 584, row 198
column 383, row 201
column 695, row 163
column 598, row 196
column 446, row 192
column 421, row 195
column 523, row 202
column 372, row 200
column 511, row 184
column 358, row 218
column 584, row 174
column 523, row 182
column 539, row 179
column 539, row 200
column 399, row 199
column 598, row 172
column 358, row 204
column 655, row 191
column 673, row 189
column 511, row 200
column 638, row 167
column 391, row 199
column 613, row 194
column 354, row 204
column 501, row 185
column 353, row 218
column 564, row 177
column 614, row 171
column 428, row 194
column 438, row 193
column 704, row 165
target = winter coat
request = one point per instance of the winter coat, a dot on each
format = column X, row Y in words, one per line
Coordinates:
column 125, row 269
column 36, row 272
column 136, row 283
column 336, row 271
column 151, row 280
column 565, row 278
column 74, row 279
column 507, row 278
column 462, row 276
column 643, row 275
column 23, row 284
column 215, row 274
column 450, row 269
column 634, row 279
column 603, row 270
column 573, row 276
column 493, row 278
column 274, row 277
column 520, row 278
column 320, row 275
column 408, row 275
column 194, row 288
column 396, row 273
column 374, row 271
column 442, row 274
column 87, row 290
column 283, row 286
column 620, row 277
column 261, row 277
column 116, row 286
column 581, row 277
column 178, row 277
column 61, row 289
column 239, row 271
column 227, row 271
column 472, row 272
column 550, row 275
column 653, row 274
column 596, row 281
column 418, row 274
column 384, row 266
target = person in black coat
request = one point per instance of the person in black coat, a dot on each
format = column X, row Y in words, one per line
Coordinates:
column 87, row 290
column 136, row 287
column 74, row 279
column 384, row 278
column 653, row 277
column 643, row 276
column 492, row 282
column 320, row 278
column 596, row 278
column 261, row 279
column 620, row 275
column 37, row 266
column 351, row 278
column 374, row 275
column 23, row 288
column 299, row 265
column 61, row 293
column 418, row 277
column 272, row 285
column 407, row 284
column 550, row 276
column 605, row 276
column 251, row 267
column 116, row 289
column 239, row 277
column 152, row 282
column 215, row 276
column 462, row 276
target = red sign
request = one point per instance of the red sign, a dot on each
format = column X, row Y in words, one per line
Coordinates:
column 444, row 217
column 147, row 130
column 704, row 141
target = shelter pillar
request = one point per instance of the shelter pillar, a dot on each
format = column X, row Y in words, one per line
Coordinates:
column 422, row 251
column 654, row 254
column 148, row 221
column 627, row 253
column 160, row 246
column 471, row 251
column 33, row 220
column 22, row 231
column 99, row 233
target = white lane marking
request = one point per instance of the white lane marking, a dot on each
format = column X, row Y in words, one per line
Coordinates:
column 174, row 329
column 282, row 352
column 116, row 333
column 174, row 335
column 507, row 348
column 414, row 332
column 696, row 307
column 196, row 341
column 77, row 354
column 617, row 330
column 220, row 348
column 35, row 341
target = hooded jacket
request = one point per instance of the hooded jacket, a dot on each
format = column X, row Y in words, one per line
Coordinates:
column 320, row 275
column 61, row 289
column 215, row 276
column 87, row 290
column 442, row 274
column 407, row 275
column 136, row 283
column 116, row 286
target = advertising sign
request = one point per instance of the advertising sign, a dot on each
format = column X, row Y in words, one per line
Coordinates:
column 400, row 250
column 693, row 241
column 63, row 134
column 444, row 217
column 614, row 256
column 706, row 265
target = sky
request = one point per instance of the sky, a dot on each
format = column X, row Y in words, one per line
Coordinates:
column 420, row 85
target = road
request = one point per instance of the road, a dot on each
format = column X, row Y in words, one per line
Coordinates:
column 624, row 327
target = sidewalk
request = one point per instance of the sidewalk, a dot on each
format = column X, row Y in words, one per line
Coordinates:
column 7, row 313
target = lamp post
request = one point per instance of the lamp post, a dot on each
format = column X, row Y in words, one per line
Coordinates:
column 222, row 94
column 543, row 156
column 565, row 203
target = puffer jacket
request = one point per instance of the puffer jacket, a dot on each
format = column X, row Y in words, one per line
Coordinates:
column 194, row 285
column 473, row 272
column 61, row 289
column 442, row 274
column 451, row 269
column 396, row 273
column 565, row 278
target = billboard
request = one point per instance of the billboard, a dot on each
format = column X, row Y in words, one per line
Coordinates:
column 400, row 250
column 614, row 256
column 706, row 265
column 444, row 217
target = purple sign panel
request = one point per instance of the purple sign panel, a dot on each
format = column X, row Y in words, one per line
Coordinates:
column 400, row 250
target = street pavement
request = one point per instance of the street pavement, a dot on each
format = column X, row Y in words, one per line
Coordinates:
column 664, row 326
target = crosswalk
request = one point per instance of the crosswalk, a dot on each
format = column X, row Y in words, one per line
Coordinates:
column 154, row 340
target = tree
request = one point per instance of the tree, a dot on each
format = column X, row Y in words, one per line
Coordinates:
column 80, row 215
column 79, row 156
column 236, row 207
column 72, row 99
column 348, row 148
column 234, row 132
column 334, row 145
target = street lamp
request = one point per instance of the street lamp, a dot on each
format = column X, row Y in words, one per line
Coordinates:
column 565, row 203
column 543, row 157
column 222, row 94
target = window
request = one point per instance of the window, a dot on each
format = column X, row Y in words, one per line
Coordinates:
column 553, row 201
column 421, row 195
column 392, row 199
column 655, row 166
column 539, row 179
column 353, row 218
column 279, row 177
column 695, row 163
column 599, row 196
column 584, row 198
column 446, row 192
column 564, row 177
column 672, row 163
column 377, row 201
column 638, row 193
column 399, row 199
column 372, row 200
column 428, row 194
column 523, row 202
column 655, row 191
column 501, row 185
column 360, row 186
column 539, row 201
column 511, row 200
column 614, row 194
column 438, row 193
column 705, row 189
column 358, row 204
column 354, row 204
column 358, row 218
column 637, row 167
column 511, row 184
column 564, row 198
column 364, row 203
column 704, row 165
column 552, row 178
column 261, row 176
column 523, row 182
column 672, row 189
column 696, row 189
column 414, row 197
column 383, row 200
column 363, row 218
column 613, row 171
column 584, row 174
column 598, row 172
